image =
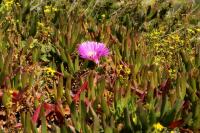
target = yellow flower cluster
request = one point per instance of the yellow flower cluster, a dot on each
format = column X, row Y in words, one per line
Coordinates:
column 123, row 68
column 166, row 47
column 8, row 4
column 7, row 97
column 123, row 72
column 198, row 29
column 49, row 9
column 173, row 73
column 41, row 25
column 45, row 30
column 158, row 127
column 49, row 71
column 108, row 95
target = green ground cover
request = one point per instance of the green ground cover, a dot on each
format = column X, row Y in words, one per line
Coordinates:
column 149, row 82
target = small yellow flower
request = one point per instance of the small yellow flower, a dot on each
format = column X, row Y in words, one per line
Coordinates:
column 18, row 4
column 198, row 29
column 175, row 37
column 54, row 9
column 50, row 71
column 47, row 9
column 8, row 4
column 40, row 24
column 11, row 91
column 120, row 66
column 103, row 15
column 190, row 30
column 134, row 118
column 158, row 126
column 127, row 70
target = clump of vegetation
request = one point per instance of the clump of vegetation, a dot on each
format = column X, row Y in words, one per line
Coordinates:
column 149, row 81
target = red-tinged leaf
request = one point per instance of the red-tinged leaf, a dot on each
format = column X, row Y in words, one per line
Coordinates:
column 175, row 124
column 36, row 114
column 186, row 104
column 82, row 88
column 58, row 109
column 48, row 108
column 182, row 130
column 76, row 98
column 16, row 96
column 18, row 125
column 139, row 93
column 59, row 114
column 59, row 74
column 38, row 96
column 1, row 94
column 165, row 86
column 87, row 102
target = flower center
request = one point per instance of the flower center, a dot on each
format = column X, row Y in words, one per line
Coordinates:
column 91, row 53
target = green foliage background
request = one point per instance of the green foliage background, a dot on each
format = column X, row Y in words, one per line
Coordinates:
column 150, row 82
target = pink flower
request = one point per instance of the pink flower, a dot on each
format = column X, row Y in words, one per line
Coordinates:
column 92, row 50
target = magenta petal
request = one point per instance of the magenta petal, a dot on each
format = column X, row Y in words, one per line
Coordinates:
column 91, row 50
